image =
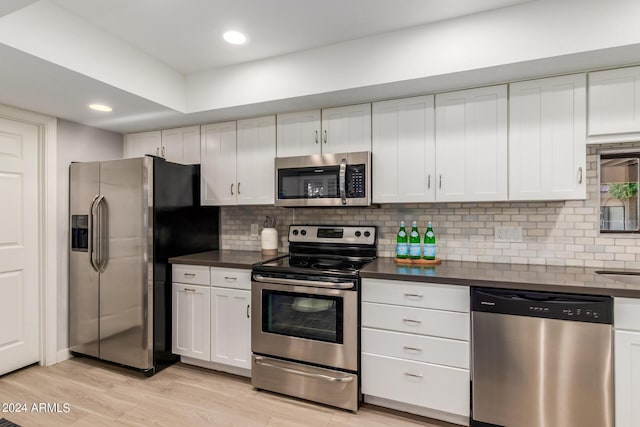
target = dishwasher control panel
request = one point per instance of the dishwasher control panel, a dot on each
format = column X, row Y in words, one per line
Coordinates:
column 577, row 308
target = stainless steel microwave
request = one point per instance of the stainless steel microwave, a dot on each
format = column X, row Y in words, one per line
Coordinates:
column 336, row 179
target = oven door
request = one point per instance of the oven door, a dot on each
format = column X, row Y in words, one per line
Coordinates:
column 304, row 323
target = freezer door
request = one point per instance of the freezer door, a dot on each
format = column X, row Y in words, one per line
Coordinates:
column 126, row 261
column 84, row 189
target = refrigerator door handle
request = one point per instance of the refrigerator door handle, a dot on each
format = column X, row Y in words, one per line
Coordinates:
column 99, row 260
column 92, row 234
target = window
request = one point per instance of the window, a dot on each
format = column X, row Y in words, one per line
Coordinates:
column 619, row 193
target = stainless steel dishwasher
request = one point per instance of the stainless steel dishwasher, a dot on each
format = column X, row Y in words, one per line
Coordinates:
column 541, row 359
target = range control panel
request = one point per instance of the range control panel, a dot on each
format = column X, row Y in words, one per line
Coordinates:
column 364, row 235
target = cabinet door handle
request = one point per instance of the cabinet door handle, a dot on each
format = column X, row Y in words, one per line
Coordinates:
column 414, row 322
column 189, row 290
column 410, row 374
column 248, row 306
column 316, row 137
column 325, row 136
column 580, row 175
column 429, row 181
column 230, row 279
column 163, row 153
column 232, row 189
column 440, row 184
column 412, row 348
column 157, row 151
column 413, row 295
column 189, row 275
column 238, row 188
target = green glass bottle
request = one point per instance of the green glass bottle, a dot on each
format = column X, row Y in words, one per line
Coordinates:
column 402, row 247
column 414, row 242
column 429, row 243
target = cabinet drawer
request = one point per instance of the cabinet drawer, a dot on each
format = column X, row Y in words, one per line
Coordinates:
column 192, row 274
column 420, row 348
column 430, row 386
column 626, row 313
column 444, row 324
column 428, row 295
column 235, row 278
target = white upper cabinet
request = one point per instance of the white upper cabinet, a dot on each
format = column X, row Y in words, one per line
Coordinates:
column 614, row 101
column 218, row 170
column 256, row 150
column 346, row 129
column 142, row 143
column 181, row 145
column 547, row 139
column 403, row 150
column 332, row 130
column 298, row 134
column 238, row 162
column 471, row 145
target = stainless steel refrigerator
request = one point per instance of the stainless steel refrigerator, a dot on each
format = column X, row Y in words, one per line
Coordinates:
column 127, row 217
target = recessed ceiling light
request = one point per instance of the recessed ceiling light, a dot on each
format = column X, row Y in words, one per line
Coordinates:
column 100, row 107
column 234, row 37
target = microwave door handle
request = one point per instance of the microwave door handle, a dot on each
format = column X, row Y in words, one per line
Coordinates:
column 343, row 181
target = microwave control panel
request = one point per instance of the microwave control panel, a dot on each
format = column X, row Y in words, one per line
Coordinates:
column 356, row 181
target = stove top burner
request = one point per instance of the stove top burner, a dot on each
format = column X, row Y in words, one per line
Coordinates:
column 331, row 265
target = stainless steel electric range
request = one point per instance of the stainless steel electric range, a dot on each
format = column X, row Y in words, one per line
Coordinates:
column 305, row 327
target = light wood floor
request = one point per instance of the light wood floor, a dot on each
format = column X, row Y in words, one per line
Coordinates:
column 102, row 395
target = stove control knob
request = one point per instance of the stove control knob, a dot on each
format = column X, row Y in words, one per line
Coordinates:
column 367, row 234
column 303, row 232
column 358, row 234
column 295, row 232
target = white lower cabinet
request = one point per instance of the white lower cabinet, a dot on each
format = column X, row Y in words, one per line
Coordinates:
column 415, row 348
column 191, row 311
column 231, row 327
column 627, row 361
column 211, row 317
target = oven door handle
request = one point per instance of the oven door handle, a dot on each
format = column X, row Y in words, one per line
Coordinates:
column 343, row 181
column 309, row 283
column 260, row 361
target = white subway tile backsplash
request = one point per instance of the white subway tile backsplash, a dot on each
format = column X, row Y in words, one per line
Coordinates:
column 553, row 233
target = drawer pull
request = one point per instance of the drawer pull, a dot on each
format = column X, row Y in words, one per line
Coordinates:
column 414, row 322
column 230, row 279
column 189, row 275
column 413, row 295
column 410, row 374
column 189, row 290
column 412, row 348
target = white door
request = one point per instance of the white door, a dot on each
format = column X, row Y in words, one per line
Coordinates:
column 471, row 145
column 547, row 139
column 142, row 143
column 403, row 150
column 346, row 129
column 218, row 164
column 614, row 101
column 231, row 327
column 190, row 332
column 182, row 145
column 298, row 133
column 19, row 307
column 627, row 378
column 255, row 161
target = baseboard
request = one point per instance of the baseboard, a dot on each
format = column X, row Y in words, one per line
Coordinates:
column 417, row 410
column 63, row 355
column 217, row 366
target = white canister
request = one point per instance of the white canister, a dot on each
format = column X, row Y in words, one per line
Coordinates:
column 269, row 238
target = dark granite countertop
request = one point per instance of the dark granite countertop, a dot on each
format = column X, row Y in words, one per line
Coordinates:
column 222, row 258
column 515, row 276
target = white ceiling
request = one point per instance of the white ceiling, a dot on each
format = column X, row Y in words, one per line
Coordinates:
column 187, row 34
column 162, row 63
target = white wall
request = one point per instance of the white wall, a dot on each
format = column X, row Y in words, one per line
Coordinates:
column 76, row 143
